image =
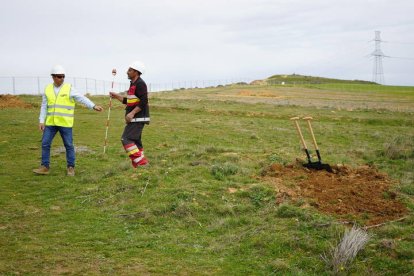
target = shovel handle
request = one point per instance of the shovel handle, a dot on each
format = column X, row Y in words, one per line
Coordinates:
column 308, row 120
column 295, row 121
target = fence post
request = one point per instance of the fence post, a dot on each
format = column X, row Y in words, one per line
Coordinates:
column 96, row 91
column 86, row 85
column 38, row 85
column 14, row 85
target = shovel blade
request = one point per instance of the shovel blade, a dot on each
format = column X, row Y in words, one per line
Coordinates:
column 318, row 166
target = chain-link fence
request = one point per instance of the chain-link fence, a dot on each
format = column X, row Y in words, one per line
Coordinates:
column 36, row 85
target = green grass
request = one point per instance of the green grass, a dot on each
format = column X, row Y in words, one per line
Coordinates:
column 177, row 216
column 385, row 90
column 301, row 79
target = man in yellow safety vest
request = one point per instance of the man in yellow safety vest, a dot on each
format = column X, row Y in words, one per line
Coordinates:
column 56, row 115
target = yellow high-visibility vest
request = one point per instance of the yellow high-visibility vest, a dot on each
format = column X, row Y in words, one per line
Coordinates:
column 60, row 108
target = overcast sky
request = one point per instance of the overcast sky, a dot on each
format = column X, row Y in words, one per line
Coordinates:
column 204, row 40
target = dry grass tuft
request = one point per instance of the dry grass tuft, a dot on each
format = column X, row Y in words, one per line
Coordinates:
column 340, row 257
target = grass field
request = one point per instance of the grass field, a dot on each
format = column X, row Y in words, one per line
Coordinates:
column 177, row 216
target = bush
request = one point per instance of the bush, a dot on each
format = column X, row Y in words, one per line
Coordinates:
column 408, row 189
column 404, row 251
column 289, row 211
column 259, row 195
column 400, row 148
column 275, row 158
column 221, row 171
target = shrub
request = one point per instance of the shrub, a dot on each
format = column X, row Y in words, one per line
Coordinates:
column 260, row 195
column 408, row 189
column 289, row 211
column 221, row 171
column 400, row 148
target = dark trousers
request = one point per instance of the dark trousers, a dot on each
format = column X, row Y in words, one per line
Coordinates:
column 132, row 134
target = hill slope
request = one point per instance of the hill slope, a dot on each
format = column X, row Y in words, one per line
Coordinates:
column 295, row 78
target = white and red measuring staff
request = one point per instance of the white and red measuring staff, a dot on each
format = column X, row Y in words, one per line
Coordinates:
column 109, row 110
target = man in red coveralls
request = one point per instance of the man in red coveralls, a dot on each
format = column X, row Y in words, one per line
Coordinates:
column 136, row 114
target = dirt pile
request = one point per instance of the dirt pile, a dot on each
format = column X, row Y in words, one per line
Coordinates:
column 362, row 194
column 12, row 101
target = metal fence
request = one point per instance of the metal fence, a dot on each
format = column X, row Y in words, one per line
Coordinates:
column 36, row 85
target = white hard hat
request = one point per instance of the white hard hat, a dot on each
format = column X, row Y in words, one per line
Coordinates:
column 138, row 65
column 57, row 69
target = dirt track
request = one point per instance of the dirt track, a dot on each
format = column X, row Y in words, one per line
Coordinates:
column 362, row 194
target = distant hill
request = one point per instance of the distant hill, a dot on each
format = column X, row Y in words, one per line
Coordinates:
column 294, row 78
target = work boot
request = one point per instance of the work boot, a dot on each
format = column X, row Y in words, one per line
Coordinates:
column 144, row 162
column 71, row 171
column 41, row 170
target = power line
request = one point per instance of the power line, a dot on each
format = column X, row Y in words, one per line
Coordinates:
column 407, row 58
column 397, row 42
column 378, row 71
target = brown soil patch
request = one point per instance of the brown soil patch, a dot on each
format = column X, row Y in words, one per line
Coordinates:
column 12, row 101
column 362, row 194
column 260, row 94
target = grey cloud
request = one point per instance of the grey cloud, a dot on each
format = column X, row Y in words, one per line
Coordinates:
column 184, row 40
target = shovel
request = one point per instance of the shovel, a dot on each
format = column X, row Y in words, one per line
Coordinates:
column 311, row 165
